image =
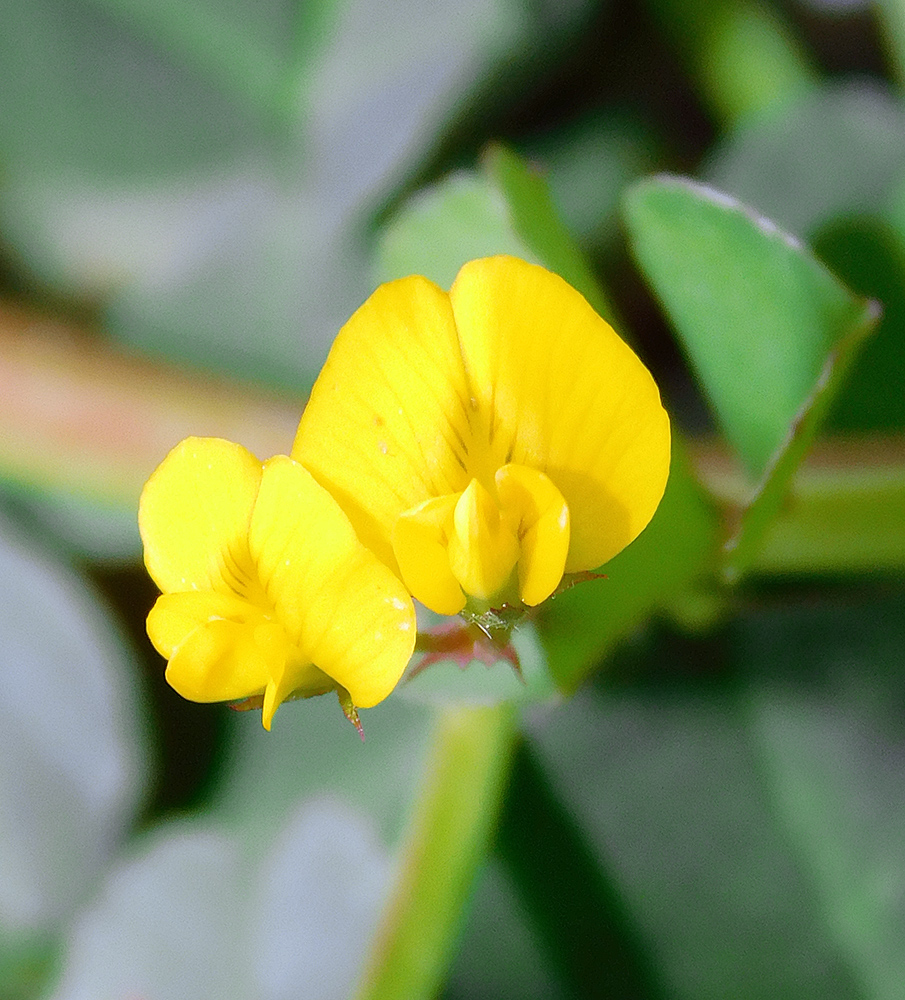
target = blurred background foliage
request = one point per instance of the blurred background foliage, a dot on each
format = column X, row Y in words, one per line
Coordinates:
column 700, row 790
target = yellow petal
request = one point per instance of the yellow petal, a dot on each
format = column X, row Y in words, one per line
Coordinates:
column 387, row 423
column 483, row 549
column 562, row 393
column 221, row 648
column 196, row 505
column 220, row 661
column 175, row 616
column 421, row 547
column 344, row 610
column 274, row 695
column 298, row 678
column 543, row 529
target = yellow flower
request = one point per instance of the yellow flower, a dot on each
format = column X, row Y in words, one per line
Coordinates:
column 487, row 441
column 266, row 590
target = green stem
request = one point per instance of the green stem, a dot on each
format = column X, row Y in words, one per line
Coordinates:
column 454, row 818
column 843, row 513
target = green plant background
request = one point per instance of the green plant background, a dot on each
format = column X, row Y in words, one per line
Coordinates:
column 700, row 790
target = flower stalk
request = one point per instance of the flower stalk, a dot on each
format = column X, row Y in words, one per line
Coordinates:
column 465, row 776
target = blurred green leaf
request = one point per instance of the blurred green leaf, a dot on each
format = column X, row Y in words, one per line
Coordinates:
column 891, row 17
column 840, row 523
column 85, row 95
column 440, row 228
column 825, row 701
column 869, row 255
column 248, row 51
column 666, row 783
column 196, row 913
column 588, row 162
column 311, row 750
column 537, row 223
column 504, row 208
column 72, row 746
column 27, row 964
column 843, row 514
column 131, row 179
column 236, row 54
column 165, row 924
column 316, row 902
column 745, row 60
column 81, row 527
column 494, row 965
column 580, row 917
column 837, row 151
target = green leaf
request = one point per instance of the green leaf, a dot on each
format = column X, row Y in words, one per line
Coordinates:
column 319, row 891
column 442, row 227
column 588, row 161
column 535, row 219
column 770, row 332
column 491, row 964
column 666, row 789
column 743, row 545
column 892, row 30
column 505, row 208
column 824, row 707
column 246, row 53
column 757, row 315
column 843, row 514
column 85, row 95
column 840, row 521
column 195, row 912
column 745, row 60
column 27, row 963
column 262, row 778
column 580, row 916
column 869, row 255
column 745, row 797
column 166, row 923
column 141, row 171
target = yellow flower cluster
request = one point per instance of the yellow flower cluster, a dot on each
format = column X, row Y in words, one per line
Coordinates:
column 466, row 449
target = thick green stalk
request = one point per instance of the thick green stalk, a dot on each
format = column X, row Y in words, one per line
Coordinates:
column 843, row 514
column 454, row 818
